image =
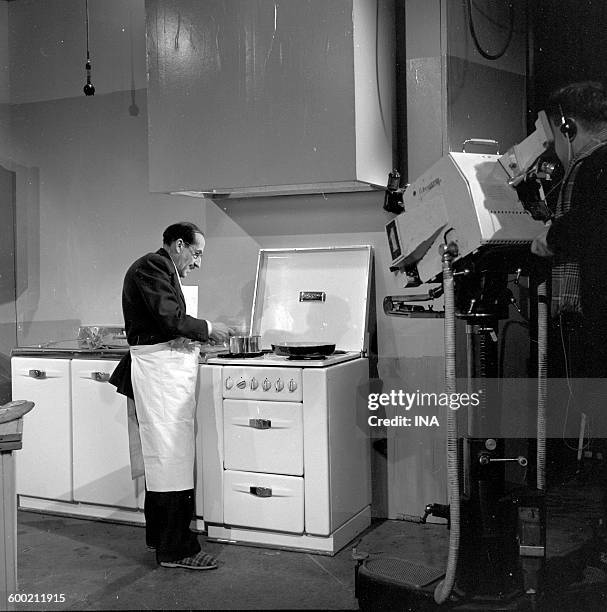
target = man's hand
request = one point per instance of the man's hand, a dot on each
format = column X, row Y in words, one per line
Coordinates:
column 182, row 343
column 221, row 332
column 539, row 246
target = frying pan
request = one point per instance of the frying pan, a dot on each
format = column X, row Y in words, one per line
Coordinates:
column 303, row 349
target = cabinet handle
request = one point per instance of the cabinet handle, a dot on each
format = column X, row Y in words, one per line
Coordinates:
column 37, row 374
column 260, row 423
column 261, row 491
column 100, row 376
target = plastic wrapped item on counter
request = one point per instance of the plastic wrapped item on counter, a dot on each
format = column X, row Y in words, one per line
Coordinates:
column 97, row 336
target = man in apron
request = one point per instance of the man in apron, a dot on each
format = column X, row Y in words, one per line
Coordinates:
column 158, row 375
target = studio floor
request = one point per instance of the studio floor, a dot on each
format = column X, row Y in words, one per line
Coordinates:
column 105, row 566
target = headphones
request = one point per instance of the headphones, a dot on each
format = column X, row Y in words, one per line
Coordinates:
column 568, row 126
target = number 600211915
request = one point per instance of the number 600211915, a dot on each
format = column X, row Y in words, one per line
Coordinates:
column 36, row 598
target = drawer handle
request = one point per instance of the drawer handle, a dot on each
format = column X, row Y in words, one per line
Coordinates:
column 261, row 491
column 37, row 374
column 100, row 376
column 260, row 423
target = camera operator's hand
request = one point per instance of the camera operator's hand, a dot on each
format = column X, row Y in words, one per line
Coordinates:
column 221, row 332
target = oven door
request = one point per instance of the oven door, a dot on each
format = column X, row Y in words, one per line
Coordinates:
column 263, row 501
column 263, row 436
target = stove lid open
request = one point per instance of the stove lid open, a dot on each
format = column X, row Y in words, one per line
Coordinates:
column 313, row 295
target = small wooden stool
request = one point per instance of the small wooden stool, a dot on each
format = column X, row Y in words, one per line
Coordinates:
column 11, row 428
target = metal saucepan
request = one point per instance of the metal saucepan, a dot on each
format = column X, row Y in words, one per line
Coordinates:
column 243, row 345
column 303, row 349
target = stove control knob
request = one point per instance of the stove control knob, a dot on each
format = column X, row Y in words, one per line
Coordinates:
column 241, row 384
column 279, row 385
column 292, row 386
column 229, row 383
column 266, row 385
column 254, row 384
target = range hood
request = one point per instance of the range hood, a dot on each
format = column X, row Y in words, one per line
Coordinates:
column 279, row 190
column 256, row 98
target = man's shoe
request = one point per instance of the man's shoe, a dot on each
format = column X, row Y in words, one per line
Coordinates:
column 199, row 561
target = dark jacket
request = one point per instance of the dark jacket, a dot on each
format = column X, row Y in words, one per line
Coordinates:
column 154, row 311
column 581, row 235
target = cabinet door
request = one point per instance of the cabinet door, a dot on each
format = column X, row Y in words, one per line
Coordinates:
column 44, row 464
column 102, row 473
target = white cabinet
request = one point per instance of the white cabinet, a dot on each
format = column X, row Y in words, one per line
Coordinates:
column 102, row 473
column 75, row 456
column 44, row 465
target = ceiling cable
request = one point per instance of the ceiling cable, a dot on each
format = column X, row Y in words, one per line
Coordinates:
column 89, row 88
column 486, row 54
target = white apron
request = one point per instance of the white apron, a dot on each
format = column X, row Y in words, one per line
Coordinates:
column 164, row 384
column 135, row 451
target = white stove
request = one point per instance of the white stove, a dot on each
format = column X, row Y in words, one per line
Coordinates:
column 270, row 359
column 284, row 455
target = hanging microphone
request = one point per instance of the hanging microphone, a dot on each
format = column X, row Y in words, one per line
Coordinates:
column 89, row 88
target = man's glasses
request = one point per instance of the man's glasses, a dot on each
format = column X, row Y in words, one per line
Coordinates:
column 195, row 254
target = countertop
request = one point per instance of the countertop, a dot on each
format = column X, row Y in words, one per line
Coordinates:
column 77, row 349
column 70, row 349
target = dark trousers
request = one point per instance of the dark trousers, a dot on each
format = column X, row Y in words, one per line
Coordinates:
column 167, row 524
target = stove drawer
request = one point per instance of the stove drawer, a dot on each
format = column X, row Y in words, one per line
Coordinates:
column 263, row 436
column 263, row 501
column 262, row 383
